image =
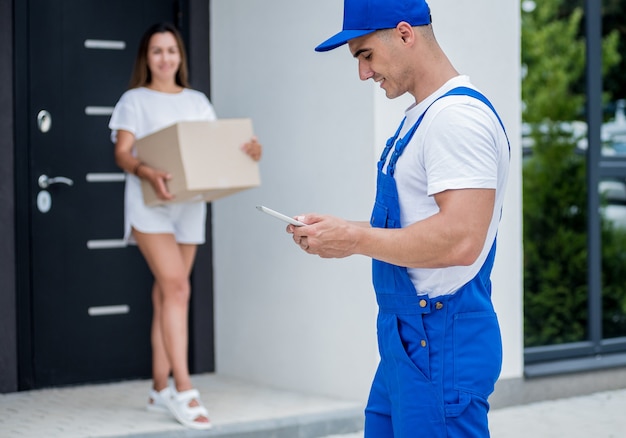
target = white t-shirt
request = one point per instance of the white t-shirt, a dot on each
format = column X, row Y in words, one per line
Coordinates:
column 460, row 144
column 142, row 111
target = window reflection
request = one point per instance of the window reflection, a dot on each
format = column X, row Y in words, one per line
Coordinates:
column 574, row 195
column 614, row 132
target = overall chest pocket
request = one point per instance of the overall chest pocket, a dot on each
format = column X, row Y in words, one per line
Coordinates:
column 380, row 217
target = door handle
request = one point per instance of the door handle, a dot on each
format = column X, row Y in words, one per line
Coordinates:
column 44, row 181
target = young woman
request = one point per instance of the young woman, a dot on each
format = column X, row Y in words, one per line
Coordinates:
column 167, row 235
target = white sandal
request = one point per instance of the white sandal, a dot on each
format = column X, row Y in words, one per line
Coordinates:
column 157, row 400
column 178, row 404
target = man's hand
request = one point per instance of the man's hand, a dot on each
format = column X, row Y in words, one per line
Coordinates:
column 326, row 236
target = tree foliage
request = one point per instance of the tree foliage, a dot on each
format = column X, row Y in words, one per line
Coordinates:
column 554, row 61
column 553, row 56
column 614, row 22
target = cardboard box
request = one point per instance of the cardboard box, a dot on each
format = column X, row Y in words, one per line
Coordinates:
column 204, row 158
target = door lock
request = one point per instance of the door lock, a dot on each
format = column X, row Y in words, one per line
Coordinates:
column 45, row 181
column 44, row 121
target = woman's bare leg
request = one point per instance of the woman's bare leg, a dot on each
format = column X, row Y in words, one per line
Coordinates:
column 171, row 265
column 161, row 368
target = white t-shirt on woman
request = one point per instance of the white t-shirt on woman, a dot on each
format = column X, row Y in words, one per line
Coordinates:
column 142, row 111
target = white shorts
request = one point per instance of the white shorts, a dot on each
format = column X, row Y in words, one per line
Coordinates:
column 186, row 221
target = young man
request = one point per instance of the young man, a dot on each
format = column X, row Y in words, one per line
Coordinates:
column 432, row 233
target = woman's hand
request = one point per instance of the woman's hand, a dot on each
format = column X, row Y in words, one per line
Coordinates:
column 253, row 148
column 126, row 161
column 158, row 180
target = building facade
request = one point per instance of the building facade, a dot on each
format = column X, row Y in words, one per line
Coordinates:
column 269, row 313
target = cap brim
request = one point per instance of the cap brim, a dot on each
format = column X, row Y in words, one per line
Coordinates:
column 341, row 38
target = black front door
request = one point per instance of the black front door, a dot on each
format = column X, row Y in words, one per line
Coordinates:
column 90, row 306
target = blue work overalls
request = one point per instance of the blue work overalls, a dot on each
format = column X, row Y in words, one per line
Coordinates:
column 441, row 357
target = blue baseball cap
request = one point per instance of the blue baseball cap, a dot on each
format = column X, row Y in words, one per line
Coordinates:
column 361, row 17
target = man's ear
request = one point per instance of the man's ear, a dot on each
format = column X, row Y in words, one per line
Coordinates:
column 406, row 32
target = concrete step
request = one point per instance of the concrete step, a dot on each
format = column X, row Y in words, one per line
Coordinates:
column 237, row 409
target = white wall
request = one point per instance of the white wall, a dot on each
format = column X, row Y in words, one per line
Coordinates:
column 482, row 37
column 291, row 320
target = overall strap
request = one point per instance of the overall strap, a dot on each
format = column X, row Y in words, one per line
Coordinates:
column 466, row 91
column 402, row 143
column 390, row 142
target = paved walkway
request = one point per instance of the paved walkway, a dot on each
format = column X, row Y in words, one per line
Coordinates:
column 600, row 415
column 244, row 410
column 237, row 409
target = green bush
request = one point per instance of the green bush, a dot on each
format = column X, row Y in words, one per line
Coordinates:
column 555, row 242
column 555, row 249
column 613, row 281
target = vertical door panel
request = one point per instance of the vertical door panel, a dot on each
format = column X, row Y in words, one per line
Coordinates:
column 91, row 305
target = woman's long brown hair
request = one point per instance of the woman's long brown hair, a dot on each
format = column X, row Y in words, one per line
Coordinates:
column 141, row 73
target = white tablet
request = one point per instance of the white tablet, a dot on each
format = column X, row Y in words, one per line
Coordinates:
column 280, row 216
